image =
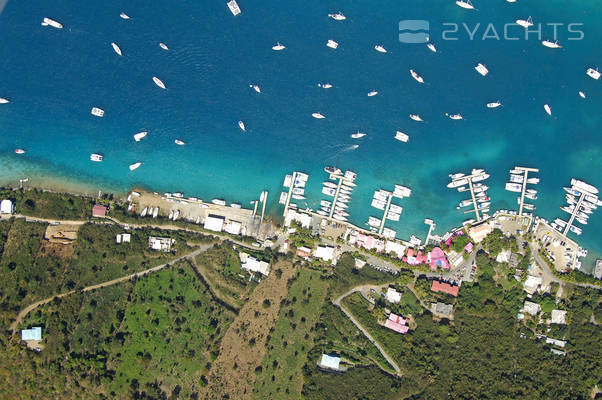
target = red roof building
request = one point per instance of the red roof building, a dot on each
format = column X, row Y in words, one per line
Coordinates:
column 396, row 323
column 99, row 211
column 445, row 288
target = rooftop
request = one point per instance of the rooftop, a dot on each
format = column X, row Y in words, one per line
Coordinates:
column 445, row 288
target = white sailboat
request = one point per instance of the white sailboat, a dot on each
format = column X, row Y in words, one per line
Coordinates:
column 372, row 93
column 255, row 88
column 332, row 44
column 551, row 45
column 466, row 4
column 481, row 69
column 135, row 165
column 415, row 75
column 431, row 47
column 124, row 16
column 338, row 16
column 3, row 100
column 116, row 48
column 318, row 115
column 163, row 46
column 380, row 48
column 494, row 104
column 241, row 125
column 52, row 23
column 402, row 137
column 548, row 109
column 357, row 135
column 324, row 85
column 525, row 23
column 455, row 117
column 416, row 118
column 159, row 82
column 278, row 47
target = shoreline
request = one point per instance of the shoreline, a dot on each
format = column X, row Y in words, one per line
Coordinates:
column 61, row 183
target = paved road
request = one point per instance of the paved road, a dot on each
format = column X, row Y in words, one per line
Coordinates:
column 549, row 275
column 337, row 302
column 33, row 306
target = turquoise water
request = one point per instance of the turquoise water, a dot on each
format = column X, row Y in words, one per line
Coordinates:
column 54, row 77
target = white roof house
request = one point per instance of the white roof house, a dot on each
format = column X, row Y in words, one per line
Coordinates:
column 232, row 227
column 34, row 333
column 214, row 223
column 503, row 257
column 301, row 218
column 7, row 207
column 330, row 361
column 160, row 244
column 558, row 317
column 254, row 265
column 393, row 296
column 532, row 283
column 326, row 253
column 531, row 308
column 395, row 247
column 123, row 238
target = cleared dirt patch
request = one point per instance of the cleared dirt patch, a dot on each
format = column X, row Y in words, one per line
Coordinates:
column 59, row 240
column 243, row 347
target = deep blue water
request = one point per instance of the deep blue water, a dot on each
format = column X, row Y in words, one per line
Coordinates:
column 54, row 77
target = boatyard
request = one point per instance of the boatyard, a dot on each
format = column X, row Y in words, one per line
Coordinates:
column 234, row 218
column 479, row 199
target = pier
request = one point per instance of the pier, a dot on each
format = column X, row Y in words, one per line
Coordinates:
column 582, row 200
column 459, row 181
column 523, row 172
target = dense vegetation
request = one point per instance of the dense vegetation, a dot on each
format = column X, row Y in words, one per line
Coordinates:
column 482, row 354
column 152, row 337
column 43, row 204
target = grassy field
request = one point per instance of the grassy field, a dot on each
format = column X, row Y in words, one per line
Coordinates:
column 281, row 376
column 37, row 203
column 152, row 337
column 220, row 267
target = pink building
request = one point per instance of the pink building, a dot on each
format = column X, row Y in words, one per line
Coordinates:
column 438, row 259
column 396, row 323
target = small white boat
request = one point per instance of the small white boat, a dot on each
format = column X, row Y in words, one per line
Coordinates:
column 156, row 212
column 466, row 4
column 219, row 202
column 96, row 157
column 143, row 213
column 525, row 23
column 372, row 93
column 124, row 16
column 3, row 100
column 357, row 135
column 163, row 46
column 416, row 117
column 331, row 185
column 494, row 104
column 158, row 82
column 481, row 69
column 299, row 197
column 19, row 151
column 278, row 47
column 551, row 45
column 380, row 48
column 332, row 44
column 116, row 48
column 582, row 94
column 593, row 73
column 455, row 117
column 324, row 85
column 241, row 125
column 402, row 137
column 548, row 109
column 416, row 76
column 179, row 142
column 255, row 88
column 140, row 135
column 135, row 165
column 52, row 23
column 338, row 16
column 97, row 112
column 170, row 216
column 318, row 115
column 234, row 8
column 431, row 47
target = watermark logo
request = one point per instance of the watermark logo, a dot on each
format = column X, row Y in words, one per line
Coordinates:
column 418, row 31
column 414, row 31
